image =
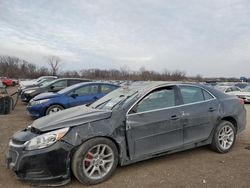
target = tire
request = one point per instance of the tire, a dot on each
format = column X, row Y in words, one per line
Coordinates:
column 87, row 159
column 224, row 137
column 53, row 109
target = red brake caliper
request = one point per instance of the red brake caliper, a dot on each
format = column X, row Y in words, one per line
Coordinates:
column 88, row 156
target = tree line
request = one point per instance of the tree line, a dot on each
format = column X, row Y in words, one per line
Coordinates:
column 14, row 67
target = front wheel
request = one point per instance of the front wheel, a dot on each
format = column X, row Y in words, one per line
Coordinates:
column 95, row 161
column 224, row 137
column 53, row 109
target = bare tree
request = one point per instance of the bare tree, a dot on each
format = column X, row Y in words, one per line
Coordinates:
column 54, row 63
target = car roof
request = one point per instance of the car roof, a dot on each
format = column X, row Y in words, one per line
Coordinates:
column 73, row 79
column 144, row 87
column 88, row 83
column 75, row 86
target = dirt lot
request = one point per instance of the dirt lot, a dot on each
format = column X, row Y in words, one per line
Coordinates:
column 193, row 168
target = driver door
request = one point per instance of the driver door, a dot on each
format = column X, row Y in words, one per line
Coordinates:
column 153, row 124
column 86, row 94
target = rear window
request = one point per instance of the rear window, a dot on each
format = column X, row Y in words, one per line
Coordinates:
column 72, row 82
column 191, row 94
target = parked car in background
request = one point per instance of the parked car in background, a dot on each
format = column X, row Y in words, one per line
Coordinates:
column 242, row 85
column 8, row 82
column 128, row 125
column 75, row 95
column 33, row 83
column 6, row 100
column 53, row 86
column 244, row 94
column 229, row 89
column 41, row 84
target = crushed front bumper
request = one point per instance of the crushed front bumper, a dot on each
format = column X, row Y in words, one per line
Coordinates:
column 48, row 166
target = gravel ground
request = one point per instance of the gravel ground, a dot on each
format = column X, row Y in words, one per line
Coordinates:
column 199, row 167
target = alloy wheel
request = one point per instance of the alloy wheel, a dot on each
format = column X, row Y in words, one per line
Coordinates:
column 226, row 137
column 98, row 161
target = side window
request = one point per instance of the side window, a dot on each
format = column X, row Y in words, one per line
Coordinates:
column 107, row 88
column 157, row 99
column 60, row 84
column 235, row 89
column 207, row 96
column 87, row 90
column 191, row 94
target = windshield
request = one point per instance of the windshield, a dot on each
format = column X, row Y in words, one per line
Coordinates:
column 116, row 98
column 45, row 84
column 246, row 89
column 42, row 83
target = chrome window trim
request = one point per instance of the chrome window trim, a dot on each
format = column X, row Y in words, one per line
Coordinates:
column 127, row 115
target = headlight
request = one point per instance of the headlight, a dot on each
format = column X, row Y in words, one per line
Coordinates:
column 29, row 91
column 46, row 139
column 38, row 102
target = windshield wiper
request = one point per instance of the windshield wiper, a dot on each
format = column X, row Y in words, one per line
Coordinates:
column 101, row 104
column 123, row 100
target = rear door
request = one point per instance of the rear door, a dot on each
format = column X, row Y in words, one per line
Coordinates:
column 153, row 124
column 86, row 94
column 199, row 113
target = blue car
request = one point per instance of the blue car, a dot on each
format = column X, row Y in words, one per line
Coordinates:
column 78, row 94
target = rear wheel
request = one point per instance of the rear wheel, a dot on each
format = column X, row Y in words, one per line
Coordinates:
column 95, row 161
column 53, row 109
column 224, row 137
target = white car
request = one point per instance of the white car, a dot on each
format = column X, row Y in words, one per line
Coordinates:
column 230, row 90
column 35, row 82
column 244, row 94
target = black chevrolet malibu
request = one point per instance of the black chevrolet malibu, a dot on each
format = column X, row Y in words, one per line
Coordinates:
column 130, row 124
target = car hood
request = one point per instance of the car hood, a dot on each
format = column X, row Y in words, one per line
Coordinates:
column 70, row 117
column 47, row 95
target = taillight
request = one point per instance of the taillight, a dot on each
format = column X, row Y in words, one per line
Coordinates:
column 242, row 101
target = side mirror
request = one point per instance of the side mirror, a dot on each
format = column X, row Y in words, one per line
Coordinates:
column 52, row 87
column 74, row 95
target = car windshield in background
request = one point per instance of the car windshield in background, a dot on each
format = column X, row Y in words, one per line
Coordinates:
column 116, row 98
column 246, row 89
column 67, row 89
column 45, row 84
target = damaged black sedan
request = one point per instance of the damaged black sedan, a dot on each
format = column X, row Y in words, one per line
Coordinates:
column 130, row 124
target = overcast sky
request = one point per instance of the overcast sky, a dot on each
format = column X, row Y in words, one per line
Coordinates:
column 207, row 37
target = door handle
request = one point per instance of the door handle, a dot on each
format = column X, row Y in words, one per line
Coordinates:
column 211, row 109
column 174, row 117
